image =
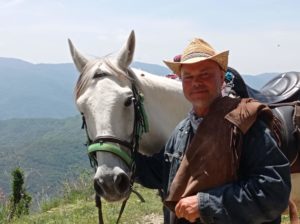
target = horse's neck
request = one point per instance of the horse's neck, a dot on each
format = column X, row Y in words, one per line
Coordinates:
column 165, row 106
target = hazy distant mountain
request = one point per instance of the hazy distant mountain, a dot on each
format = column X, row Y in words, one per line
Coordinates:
column 46, row 90
column 36, row 90
column 152, row 68
column 43, row 90
column 258, row 81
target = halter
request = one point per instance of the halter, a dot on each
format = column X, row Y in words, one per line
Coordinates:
column 108, row 144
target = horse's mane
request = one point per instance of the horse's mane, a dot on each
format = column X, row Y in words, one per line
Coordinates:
column 155, row 81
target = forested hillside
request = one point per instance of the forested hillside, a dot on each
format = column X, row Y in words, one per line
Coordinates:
column 48, row 150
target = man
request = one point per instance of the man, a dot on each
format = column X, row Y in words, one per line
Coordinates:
column 221, row 164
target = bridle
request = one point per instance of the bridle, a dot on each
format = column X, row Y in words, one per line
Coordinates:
column 110, row 144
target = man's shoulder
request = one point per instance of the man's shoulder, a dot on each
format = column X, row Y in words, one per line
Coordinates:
column 182, row 127
column 183, row 124
column 178, row 137
column 260, row 135
column 259, row 127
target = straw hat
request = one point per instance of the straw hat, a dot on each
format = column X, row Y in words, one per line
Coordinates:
column 199, row 50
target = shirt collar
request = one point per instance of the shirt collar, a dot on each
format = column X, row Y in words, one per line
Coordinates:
column 195, row 120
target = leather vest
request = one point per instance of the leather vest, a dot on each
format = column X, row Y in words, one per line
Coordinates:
column 212, row 158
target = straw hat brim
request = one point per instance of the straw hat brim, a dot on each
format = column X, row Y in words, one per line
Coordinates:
column 221, row 58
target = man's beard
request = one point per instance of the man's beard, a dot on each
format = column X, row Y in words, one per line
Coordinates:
column 204, row 104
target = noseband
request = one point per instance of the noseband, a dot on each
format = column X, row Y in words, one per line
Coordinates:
column 108, row 144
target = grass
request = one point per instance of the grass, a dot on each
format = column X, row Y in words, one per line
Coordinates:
column 83, row 211
column 76, row 205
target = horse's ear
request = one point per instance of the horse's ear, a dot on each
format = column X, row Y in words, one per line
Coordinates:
column 79, row 60
column 125, row 55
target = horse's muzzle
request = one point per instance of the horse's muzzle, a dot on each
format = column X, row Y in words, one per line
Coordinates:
column 113, row 188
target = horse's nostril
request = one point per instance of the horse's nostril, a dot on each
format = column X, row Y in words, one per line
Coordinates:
column 121, row 182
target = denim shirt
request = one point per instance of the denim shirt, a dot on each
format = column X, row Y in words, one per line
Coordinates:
column 259, row 196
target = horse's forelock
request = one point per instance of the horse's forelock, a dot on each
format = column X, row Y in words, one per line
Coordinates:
column 86, row 77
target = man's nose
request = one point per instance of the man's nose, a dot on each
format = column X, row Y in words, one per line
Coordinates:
column 197, row 81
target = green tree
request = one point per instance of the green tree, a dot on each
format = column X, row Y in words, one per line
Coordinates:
column 19, row 200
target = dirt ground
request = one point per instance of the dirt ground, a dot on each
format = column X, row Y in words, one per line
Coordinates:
column 153, row 219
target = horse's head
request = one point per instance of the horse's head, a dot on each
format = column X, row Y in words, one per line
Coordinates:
column 106, row 96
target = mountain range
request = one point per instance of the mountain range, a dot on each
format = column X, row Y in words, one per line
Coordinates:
column 46, row 90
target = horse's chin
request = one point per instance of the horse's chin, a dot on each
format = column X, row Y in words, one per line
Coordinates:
column 115, row 198
column 112, row 196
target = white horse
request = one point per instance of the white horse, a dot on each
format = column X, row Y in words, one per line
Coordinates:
column 104, row 94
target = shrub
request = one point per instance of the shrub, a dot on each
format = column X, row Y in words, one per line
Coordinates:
column 20, row 200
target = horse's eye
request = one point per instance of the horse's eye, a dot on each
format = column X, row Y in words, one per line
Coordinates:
column 128, row 101
column 100, row 75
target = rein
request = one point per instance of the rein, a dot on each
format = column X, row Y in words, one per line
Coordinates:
column 107, row 144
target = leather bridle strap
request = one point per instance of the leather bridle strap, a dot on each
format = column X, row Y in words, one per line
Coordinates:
column 99, row 206
column 102, row 139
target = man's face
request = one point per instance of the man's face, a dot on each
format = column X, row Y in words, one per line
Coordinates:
column 202, row 83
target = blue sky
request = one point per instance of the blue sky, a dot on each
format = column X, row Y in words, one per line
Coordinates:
column 262, row 35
